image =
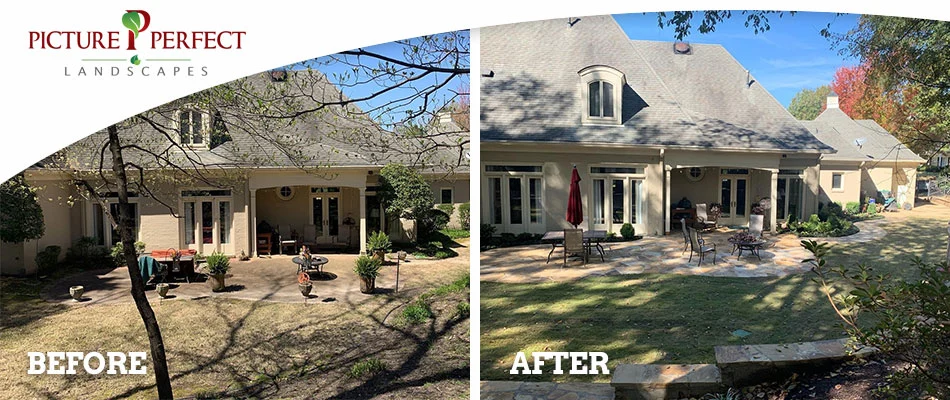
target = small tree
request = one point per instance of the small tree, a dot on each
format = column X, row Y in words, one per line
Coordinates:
column 21, row 217
column 404, row 192
column 907, row 321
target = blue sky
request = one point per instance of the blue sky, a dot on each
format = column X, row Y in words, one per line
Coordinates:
column 791, row 56
column 392, row 50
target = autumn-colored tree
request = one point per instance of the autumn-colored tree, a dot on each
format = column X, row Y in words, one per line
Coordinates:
column 850, row 85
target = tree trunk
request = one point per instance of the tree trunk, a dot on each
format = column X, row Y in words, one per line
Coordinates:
column 125, row 225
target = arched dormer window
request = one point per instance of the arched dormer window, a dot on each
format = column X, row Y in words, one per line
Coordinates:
column 602, row 88
column 193, row 128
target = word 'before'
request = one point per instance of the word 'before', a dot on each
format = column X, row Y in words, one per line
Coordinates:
column 581, row 363
column 65, row 363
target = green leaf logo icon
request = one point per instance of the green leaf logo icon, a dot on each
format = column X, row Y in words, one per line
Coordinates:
column 132, row 21
column 135, row 60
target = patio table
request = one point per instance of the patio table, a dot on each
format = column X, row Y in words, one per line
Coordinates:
column 186, row 266
column 751, row 246
column 315, row 263
column 591, row 239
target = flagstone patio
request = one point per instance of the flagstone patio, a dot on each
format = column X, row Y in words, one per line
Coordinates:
column 660, row 254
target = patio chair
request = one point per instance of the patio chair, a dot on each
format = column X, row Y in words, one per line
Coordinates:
column 286, row 238
column 704, row 219
column 685, row 235
column 699, row 247
column 574, row 244
column 756, row 225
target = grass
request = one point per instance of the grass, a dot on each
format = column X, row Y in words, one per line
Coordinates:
column 366, row 367
column 419, row 310
column 220, row 347
column 676, row 318
column 456, row 233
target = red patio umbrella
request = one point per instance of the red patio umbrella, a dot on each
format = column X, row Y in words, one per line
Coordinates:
column 575, row 210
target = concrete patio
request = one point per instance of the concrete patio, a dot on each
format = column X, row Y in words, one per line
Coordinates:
column 659, row 254
column 269, row 279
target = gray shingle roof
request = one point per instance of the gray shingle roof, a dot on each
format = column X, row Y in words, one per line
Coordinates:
column 697, row 100
column 335, row 136
column 836, row 129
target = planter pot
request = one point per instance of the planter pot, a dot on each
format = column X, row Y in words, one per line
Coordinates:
column 367, row 285
column 217, row 282
column 380, row 255
column 162, row 289
column 305, row 289
column 76, row 292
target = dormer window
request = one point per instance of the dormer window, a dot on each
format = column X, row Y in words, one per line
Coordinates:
column 192, row 128
column 600, row 98
column 602, row 93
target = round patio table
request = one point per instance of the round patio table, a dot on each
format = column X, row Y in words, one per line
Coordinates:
column 752, row 246
column 316, row 262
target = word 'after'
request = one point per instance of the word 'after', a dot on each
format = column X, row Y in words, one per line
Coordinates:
column 581, row 363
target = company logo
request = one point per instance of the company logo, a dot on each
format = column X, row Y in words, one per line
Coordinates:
column 149, row 45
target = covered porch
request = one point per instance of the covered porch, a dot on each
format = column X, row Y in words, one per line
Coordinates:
column 737, row 183
column 330, row 213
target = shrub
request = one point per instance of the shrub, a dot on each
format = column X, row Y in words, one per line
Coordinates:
column 447, row 208
column 834, row 226
column 487, row 232
column 907, row 320
column 48, row 258
column 404, row 192
column 853, row 207
column 378, row 241
column 85, row 253
column 465, row 215
column 432, row 221
column 366, row 367
column 119, row 256
column 627, row 231
column 218, row 263
column 462, row 309
column 417, row 312
column 442, row 254
column 367, row 267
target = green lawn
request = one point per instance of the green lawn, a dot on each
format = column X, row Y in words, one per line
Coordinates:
column 679, row 319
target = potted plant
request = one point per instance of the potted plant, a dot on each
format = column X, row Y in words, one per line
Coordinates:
column 378, row 244
column 218, row 267
column 304, row 284
column 162, row 289
column 368, row 269
column 76, row 292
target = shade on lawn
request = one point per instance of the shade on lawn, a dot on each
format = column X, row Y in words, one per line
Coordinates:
column 575, row 211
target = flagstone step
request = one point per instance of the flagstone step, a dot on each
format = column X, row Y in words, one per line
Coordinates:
column 751, row 364
column 665, row 381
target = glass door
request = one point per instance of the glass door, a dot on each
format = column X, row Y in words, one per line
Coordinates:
column 789, row 198
column 325, row 216
column 208, row 225
column 734, row 197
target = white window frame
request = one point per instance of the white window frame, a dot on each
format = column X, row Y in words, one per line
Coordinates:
column 215, row 245
column 205, row 128
column 506, row 226
column 840, row 188
column 601, row 73
column 629, row 179
column 107, row 224
column 801, row 200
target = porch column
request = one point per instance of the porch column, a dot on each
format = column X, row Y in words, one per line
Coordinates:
column 669, row 202
column 253, row 219
column 362, row 220
column 773, row 200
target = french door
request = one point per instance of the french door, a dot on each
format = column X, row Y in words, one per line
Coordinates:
column 208, row 224
column 515, row 203
column 616, row 200
column 789, row 198
column 325, row 215
column 734, row 197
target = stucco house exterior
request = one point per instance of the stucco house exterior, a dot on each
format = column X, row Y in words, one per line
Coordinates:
column 645, row 123
column 869, row 162
column 321, row 170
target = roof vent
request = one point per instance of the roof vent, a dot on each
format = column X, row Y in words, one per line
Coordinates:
column 573, row 20
column 682, row 48
column 487, row 73
column 860, row 142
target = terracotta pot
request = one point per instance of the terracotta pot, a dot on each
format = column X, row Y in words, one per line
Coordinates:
column 367, row 285
column 305, row 289
column 76, row 292
column 217, row 282
column 162, row 289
